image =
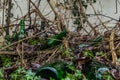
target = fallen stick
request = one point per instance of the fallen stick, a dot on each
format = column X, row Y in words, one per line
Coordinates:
column 112, row 48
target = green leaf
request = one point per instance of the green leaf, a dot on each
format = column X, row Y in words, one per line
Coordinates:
column 6, row 61
column 78, row 74
column 34, row 41
column 89, row 54
column 1, row 73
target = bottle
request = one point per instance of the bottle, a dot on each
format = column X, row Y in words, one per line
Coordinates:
column 21, row 33
column 56, row 70
column 53, row 41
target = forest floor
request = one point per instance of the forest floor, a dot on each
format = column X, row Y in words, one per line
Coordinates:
column 93, row 57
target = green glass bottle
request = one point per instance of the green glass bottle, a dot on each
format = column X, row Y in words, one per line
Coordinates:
column 56, row 39
column 22, row 29
column 53, row 41
column 56, row 70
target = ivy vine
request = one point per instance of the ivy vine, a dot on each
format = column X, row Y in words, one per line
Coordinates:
column 77, row 14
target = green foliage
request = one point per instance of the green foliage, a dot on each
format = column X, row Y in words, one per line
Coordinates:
column 1, row 73
column 76, row 11
column 103, row 74
column 22, row 74
column 6, row 61
column 89, row 54
column 63, row 71
column 34, row 41
column 65, row 52
column 76, row 76
column 107, row 76
column 17, row 74
column 95, row 70
column 51, row 78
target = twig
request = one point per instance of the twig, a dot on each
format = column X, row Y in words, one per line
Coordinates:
column 18, row 7
column 100, row 24
column 114, row 56
column 52, row 55
column 116, row 6
column 11, row 24
column 57, row 17
column 8, row 52
column 22, row 56
column 3, row 14
column 103, row 16
column 18, row 51
column 84, row 15
column 39, row 12
column 56, row 14
column 99, row 18
column 35, row 13
column 29, row 14
column 8, row 16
